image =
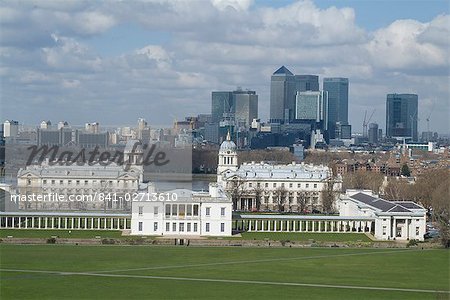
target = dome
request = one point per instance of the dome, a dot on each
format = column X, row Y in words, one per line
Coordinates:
column 228, row 144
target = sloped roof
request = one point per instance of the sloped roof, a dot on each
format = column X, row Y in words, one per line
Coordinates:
column 283, row 71
column 385, row 205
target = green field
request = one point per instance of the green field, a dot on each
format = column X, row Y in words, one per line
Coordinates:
column 156, row 272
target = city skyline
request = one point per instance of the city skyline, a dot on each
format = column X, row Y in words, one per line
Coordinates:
column 85, row 61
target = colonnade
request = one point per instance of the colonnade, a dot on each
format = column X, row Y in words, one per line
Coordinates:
column 303, row 225
column 66, row 222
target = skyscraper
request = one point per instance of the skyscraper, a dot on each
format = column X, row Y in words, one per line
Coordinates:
column 282, row 95
column 283, row 88
column 239, row 105
column 313, row 106
column 337, row 89
column 222, row 102
column 373, row 133
column 306, row 83
column 246, row 106
column 401, row 115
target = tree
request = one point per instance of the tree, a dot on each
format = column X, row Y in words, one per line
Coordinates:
column 235, row 189
column 280, row 197
column 405, row 170
column 258, row 191
column 302, row 200
column 329, row 195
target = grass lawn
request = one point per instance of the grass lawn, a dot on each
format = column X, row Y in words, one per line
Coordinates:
column 62, row 233
column 305, row 236
column 156, row 272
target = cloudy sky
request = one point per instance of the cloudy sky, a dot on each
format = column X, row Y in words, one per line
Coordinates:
column 115, row 61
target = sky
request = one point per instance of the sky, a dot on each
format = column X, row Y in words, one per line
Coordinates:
column 116, row 61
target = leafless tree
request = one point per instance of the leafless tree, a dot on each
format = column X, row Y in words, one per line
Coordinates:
column 235, row 189
column 280, row 197
column 302, row 200
column 258, row 192
column 329, row 195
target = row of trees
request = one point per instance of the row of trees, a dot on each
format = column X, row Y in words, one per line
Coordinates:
column 280, row 196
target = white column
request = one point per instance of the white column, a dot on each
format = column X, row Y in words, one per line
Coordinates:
column 300, row 225
column 275, row 225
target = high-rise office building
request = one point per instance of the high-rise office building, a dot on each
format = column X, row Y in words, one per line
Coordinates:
column 282, row 95
column 313, row 106
column 337, row 89
column 222, row 102
column 373, row 133
column 284, row 86
column 306, row 83
column 401, row 115
column 239, row 105
column 246, row 106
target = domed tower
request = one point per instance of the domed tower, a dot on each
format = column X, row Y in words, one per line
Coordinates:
column 227, row 158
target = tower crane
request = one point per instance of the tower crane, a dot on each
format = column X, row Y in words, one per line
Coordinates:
column 366, row 121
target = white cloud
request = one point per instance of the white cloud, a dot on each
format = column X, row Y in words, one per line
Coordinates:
column 212, row 45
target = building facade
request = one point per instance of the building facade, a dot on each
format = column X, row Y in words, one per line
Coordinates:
column 264, row 186
column 183, row 213
column 394, row 220
column 81, row 187
column 401, row 116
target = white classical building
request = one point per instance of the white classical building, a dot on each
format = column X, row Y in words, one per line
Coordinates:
column 259, row 185
column 81, row 187
column 394, row 220
column 182, row 213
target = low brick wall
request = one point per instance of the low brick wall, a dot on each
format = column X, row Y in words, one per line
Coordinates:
column 213, row 243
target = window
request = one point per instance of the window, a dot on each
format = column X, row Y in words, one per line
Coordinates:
column 315, row 185
column 181, row 210
column 384, row 230
column 299, row 185
column 274, row 184
column 77, row 182
column 45, row 181
column 61, row 182
column 86, row 182
column 53, row 181
column 266, row 185
column 155, row 210
column 167, row 226
column 222, row 227
column 174, row 226
column 249, row 184
column 207, row 227
column 167, row 210
column 195, row 227
column 195, row 209
column 307, row 185
column 174, row 209
column 222, row 211
column 181, row 227
column 417, row 230
column 141, row 210
column 188, row 227
column 282, row 184
column 155, row 226
column 69, row 181
column 208, row 211
column 140, row 226
column 189, row 210
column 290, row 185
